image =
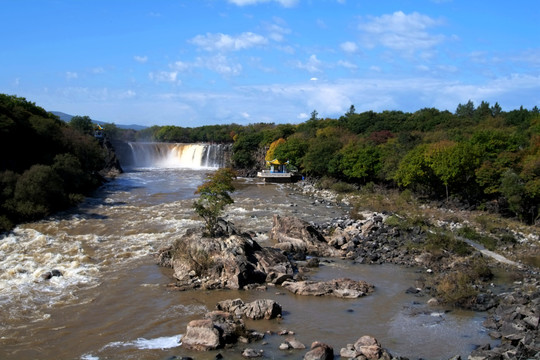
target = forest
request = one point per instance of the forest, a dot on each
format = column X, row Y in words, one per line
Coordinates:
column 481, row 156
column 47, row 165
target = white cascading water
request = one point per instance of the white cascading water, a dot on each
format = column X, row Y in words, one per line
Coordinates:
column 176, row 155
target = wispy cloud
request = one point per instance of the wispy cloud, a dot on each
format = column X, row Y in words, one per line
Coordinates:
column 284, row 3
column 164, row 76
column 277, row 30
column 349, row 47
column 313, row 65
column 220, row 64
column 400, row 31
column 224, row 42
column 70, row 75
column 347, row 64
column 140, row 59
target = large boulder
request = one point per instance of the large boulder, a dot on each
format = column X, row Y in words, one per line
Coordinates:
column 319, row 351
column 228, row 262
column 366, row 347
column 342, row 288
column 296, row 236
column 217, row 330
column 201, row 335
column 258, row 309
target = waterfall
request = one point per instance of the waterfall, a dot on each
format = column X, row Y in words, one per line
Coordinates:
column 175, row 155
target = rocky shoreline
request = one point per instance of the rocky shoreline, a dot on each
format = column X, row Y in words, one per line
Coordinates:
column 236, row 261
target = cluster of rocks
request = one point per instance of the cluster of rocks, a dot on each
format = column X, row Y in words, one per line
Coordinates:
column 238, row 262
column 225, row 327
column 229, row 262
column 218, row 329
column 515, row 321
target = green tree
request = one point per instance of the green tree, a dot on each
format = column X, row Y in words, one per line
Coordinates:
column 82, row 124
column 465, row 111
column 413, row 169
column 360, row 161
column 39, row 192
column 513, row 189
column 244, row 149
column 292, row 150
column 214, row 197
column 320, row 158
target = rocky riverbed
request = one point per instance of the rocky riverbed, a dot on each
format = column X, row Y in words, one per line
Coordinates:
column 236, row 261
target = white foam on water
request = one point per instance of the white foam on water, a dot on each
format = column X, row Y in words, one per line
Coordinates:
column 165, row 342
column 89, row 357
column 26, row 255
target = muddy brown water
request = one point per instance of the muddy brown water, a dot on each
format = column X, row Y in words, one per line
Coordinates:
column 112, row 301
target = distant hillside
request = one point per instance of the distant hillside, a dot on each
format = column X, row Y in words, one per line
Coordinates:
column 66, row 117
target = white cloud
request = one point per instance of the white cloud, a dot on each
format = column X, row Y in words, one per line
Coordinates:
column 71, row 75
column 312, row 65
column 164, row 76
column 277, row 30
column 314, row 79
column 347, row 64
column 220, row 64
column 284, row 3
column 400, row 31
column 141, row 59
column 245, row 115
column 128, row 94
column 349, row 46
column 224, row 42
column 181, row 66
column 98, row 70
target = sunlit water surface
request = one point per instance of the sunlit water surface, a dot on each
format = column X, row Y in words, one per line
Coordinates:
column 112, row 302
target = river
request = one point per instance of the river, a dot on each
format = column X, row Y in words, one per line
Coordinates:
column 112, row 301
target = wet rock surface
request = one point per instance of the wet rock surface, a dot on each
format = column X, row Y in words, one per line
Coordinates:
column 258, row 309
column 341, row 288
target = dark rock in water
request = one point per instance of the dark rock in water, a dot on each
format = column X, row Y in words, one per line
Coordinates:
column 412, row 290
column 50, row 274
column 252, row 353
column 312, row 263
column 320, row 351
column 342, row 288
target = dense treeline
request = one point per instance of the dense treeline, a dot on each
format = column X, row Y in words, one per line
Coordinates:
column 482, row 156
column 46, row 164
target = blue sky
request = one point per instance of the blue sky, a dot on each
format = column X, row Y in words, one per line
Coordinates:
column 198, row 62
